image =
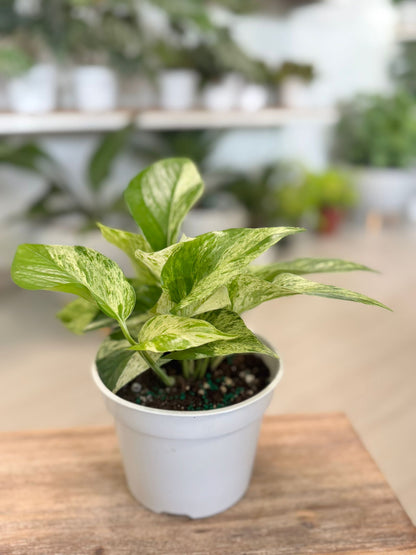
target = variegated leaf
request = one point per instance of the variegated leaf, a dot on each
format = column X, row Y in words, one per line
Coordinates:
column 79, row 316
column 247, row 292
column 76, row 270
column 226, row 320
column 302, row 266
column 200, row 266
column 173, row 333
column 160, row 197
column 129, row 243
column 117, row 365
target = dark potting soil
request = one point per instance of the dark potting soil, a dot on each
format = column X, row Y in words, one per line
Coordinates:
column 236, row 379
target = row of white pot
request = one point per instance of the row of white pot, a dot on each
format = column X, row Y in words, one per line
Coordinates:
column 179, row 91
column 95, row 88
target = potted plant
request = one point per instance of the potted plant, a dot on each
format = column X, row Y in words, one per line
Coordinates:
column 293, row 81
column 177, row 78
column 376, row 135
column 230, row 78
column 199, row 379
column 320, row 200
column 31, row 86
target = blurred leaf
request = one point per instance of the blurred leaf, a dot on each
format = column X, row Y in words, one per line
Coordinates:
column 104, row 156
column 79, row 314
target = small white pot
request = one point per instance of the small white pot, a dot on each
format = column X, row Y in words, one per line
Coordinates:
column 189, row 463
column 253, row 97
column 34, row 92
column 294, row 93
column 224, row 95
column 95, row 88
column 177, row 89
column 385, row 190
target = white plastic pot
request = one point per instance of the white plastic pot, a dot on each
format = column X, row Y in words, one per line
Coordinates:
column 295, row 93
column 95, row 88
column 385, row 190
column 253, row 97
column 224, row 95
column 177, row 89
column 189, row 463
column 35, row 91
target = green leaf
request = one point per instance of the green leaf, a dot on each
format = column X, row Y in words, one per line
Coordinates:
column 160, row 197
column 78, row 315
column 154, row 261
column 146, row 295
column 219, row 299
column 78, row 270
column 226, row 320
column 129, row 243
column 173, row 333
column 108, row 149
column 306, row 266
column 247, row 292
column 200, row 266
column 117, row 365
column 81, row 316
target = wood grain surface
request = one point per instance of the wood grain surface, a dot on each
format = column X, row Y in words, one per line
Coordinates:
column 315, row 489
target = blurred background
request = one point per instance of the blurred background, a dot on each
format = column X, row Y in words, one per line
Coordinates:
column 296, row 112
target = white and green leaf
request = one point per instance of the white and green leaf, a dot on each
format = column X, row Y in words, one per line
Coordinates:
column 129, row 242
column 147, row 295
column 166, row 333
column 160, row 197
column 117, row 365
column 226, row 320
column 302, row 266
column 154, row 261
column 200, row 266
column 247, row 292
column 79, row 316
column 76, row 270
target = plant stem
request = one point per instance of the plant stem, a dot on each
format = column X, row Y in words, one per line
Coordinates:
column 188, row 368
column 126, row 333
column 201, row 367
column 161, row 374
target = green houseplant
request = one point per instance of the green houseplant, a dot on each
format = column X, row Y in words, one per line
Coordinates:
column 376, row 136
column 184, row 305
column 320, row 199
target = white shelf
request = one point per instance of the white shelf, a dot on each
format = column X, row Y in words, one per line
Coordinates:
column 83, row 122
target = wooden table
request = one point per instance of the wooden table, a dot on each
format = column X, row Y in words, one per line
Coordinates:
column 315, row 489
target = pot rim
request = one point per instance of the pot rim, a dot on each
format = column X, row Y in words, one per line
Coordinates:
column 190, row 414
